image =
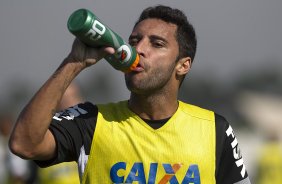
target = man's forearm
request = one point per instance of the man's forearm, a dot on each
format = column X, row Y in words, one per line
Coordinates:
column 30, row 137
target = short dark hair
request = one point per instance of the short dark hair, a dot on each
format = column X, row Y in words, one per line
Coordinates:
column 185, row 34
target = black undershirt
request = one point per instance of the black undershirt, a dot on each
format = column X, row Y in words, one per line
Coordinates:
column 156, row 124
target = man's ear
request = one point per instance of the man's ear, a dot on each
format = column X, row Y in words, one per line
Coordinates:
column 183, row 66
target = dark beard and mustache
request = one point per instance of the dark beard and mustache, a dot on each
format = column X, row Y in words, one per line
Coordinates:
column 153, row 82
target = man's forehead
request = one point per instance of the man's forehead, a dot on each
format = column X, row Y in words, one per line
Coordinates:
column 154, row 26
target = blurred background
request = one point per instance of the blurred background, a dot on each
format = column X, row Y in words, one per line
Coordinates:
column 236, row 72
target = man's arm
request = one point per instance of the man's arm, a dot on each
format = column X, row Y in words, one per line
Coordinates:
column 31, row 138
column 230, row 167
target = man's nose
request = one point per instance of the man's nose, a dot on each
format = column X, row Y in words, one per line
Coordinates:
column 142, row 47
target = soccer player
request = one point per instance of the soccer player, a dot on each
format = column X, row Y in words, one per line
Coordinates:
column 150, row 138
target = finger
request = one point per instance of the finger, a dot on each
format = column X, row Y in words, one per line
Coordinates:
column 109, row 50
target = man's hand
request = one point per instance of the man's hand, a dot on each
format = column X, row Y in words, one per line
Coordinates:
column 87, row 55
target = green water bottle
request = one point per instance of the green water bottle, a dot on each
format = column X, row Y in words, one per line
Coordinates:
column 90, row 30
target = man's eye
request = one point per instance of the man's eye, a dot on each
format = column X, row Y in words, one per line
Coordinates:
column 158, row 44
column 133, row 42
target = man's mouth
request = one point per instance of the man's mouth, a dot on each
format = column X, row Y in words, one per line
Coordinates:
column 139, row 67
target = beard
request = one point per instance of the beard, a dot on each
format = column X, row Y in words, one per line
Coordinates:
column 149, row 81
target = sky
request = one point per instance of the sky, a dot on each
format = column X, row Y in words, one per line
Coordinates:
column 233, row 37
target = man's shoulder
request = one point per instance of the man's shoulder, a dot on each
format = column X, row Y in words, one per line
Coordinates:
column 196, row 111
column 79, row 111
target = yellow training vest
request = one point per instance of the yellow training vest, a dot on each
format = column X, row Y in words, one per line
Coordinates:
column 127, row 150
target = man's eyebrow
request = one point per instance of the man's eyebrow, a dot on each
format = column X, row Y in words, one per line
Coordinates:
column 134, row 36
column 151, row 37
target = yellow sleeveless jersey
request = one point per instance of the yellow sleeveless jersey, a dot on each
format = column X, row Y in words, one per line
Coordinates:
column 127, row 150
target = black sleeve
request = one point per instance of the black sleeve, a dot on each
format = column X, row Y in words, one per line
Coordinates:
column 229, row 162
column 72, row 129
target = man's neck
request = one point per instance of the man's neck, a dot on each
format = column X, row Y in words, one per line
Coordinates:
column 153, row 107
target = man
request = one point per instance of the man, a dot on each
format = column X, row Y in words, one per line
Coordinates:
column 150, row 138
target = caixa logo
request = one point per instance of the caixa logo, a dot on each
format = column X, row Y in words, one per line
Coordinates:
column 137, row 174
